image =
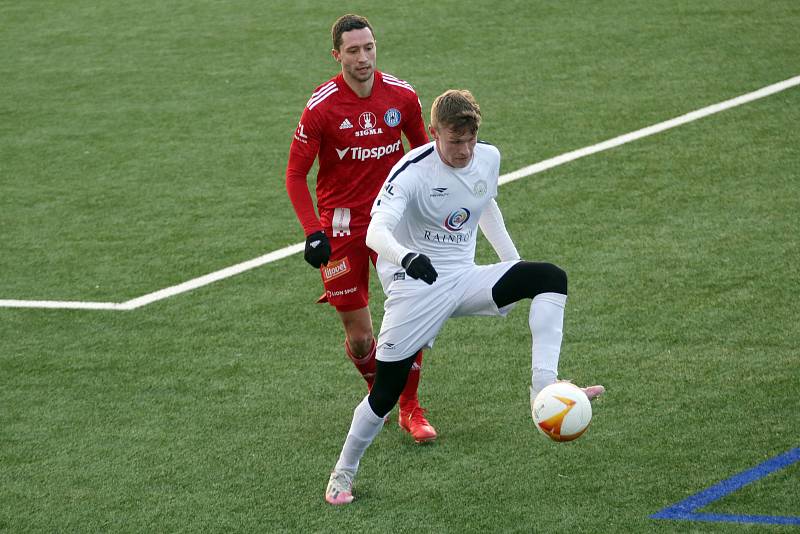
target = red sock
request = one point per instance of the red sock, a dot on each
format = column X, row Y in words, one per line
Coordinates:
column 365, row 364
column 408, row 398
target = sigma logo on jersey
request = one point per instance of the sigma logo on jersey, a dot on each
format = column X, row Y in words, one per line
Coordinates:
column 367, row 121
column 456, row 220
column 335, row 269
column 362, row 154
column 392, row 117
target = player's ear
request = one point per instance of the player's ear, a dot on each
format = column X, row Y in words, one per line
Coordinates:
column 336, row 55
column 432, row 130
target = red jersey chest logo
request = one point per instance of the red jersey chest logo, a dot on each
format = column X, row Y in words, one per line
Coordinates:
column 369, row 125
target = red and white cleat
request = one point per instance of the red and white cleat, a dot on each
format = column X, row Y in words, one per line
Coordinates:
column 415, row 424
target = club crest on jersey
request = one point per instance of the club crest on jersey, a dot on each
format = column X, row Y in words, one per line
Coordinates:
column 335, row 269
column 456, row 220
column 368, row 123
column 480, row 188
column 392, row 117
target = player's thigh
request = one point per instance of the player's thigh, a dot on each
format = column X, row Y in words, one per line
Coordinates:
column 414, row 313
column 475, row 290
column 346, row 277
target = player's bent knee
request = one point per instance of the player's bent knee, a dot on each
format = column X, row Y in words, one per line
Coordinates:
column 390, row 379
column 527, row 279
column 555, row 279
column 360, row 345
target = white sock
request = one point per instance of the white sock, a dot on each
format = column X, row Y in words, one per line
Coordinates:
column 365, row 426
column 546, row 320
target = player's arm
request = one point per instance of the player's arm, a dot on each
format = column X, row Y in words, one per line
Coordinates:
column 494, row 228
column 386, row 213
column 302, row 154
column 380, row 238
column 414, row 129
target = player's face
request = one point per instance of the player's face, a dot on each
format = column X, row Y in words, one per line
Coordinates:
column 455, row 147
column 357, row 55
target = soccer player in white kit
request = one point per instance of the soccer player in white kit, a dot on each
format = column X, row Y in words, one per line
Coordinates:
column 424, row 227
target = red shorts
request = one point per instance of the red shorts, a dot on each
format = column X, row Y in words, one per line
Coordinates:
column 346, row 277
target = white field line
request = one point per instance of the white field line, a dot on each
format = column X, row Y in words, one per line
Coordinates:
column 163, row 293
column 504, row 179
column 650, row 130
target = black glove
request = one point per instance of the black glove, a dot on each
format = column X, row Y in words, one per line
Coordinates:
column 418, row 266
column 318, row 249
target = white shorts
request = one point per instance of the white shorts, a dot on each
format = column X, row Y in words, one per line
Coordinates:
column 415, row 312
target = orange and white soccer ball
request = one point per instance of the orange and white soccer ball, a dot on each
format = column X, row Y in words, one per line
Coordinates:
column 562, row 411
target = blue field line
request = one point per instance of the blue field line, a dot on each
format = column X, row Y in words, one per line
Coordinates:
column 686, row 509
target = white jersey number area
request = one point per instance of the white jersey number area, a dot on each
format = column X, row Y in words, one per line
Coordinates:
column 341, row 222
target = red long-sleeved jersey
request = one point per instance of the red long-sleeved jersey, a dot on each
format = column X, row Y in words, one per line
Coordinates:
column 357, row 141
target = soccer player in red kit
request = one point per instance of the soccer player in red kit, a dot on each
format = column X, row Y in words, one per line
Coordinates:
column 353, row 124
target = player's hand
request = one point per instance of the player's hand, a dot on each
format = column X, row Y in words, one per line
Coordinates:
column 419, row 267
column 318, row 249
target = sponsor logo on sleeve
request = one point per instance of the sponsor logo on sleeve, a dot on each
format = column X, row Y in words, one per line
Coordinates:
column 300, row 134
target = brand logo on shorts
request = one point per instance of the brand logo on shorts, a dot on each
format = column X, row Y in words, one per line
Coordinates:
column 335, row 269
column 387, row 346
column 456, row 220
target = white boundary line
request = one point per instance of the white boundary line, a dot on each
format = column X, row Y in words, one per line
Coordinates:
column 163, row 293
column 504, row 179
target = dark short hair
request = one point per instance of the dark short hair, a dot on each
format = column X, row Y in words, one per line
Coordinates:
column 347, row 23
column 456, row 109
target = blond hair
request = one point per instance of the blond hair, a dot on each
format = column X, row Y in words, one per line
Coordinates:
column 457, row 110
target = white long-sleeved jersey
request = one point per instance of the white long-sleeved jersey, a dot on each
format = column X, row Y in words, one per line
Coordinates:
column 428, row 207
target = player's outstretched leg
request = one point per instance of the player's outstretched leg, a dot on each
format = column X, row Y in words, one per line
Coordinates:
column 412, row 416
column 390, row 377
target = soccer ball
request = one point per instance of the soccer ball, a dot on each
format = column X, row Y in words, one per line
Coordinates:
column 561, row 411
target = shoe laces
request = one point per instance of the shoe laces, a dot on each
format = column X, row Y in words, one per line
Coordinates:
column 417, row 415
column 340, row 482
